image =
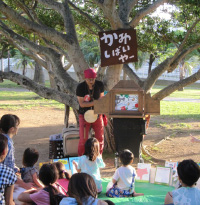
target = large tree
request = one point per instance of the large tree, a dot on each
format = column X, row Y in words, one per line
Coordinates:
column 60, row 25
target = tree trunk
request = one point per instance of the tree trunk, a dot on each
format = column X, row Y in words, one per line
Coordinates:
column 8, row 61
column 39, row 74
column 151, row 60
column 2, row 66
column 66, row 117
column 182, row 73
column 113, row 75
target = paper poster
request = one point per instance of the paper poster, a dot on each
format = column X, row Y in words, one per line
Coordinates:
column 65, row 161
column 173, row 165
column 41, row 163
column 163, row 175
column 143, row 172
column 72, row 167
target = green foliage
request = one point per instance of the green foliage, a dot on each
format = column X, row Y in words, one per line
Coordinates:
column 22, row 61
column 91, row 52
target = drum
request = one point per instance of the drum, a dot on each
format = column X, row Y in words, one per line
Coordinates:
column 90, row 117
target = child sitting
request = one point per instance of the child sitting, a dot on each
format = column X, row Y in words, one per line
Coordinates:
column 124, row 178
column 91, row 161
column 82, row 190
column 7, row 175
column 188, row 173
column 9, row 127
column 29, row 173
column 63, row 178
column 49, row 195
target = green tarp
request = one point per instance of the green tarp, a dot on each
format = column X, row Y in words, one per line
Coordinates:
column 153, row 194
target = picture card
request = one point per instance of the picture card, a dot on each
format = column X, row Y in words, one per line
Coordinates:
column 163, row 175
column 72, row 167
column 143, row 172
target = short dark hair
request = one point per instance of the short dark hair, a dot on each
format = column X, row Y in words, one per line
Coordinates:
column 30, row 157
column 92, row 148
column 188, row 172
column 81, row 186
column 3, row 143
column 48, row 174
column 8, row 121
column 126, row 156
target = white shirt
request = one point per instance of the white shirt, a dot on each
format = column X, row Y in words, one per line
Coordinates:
column 123, row 176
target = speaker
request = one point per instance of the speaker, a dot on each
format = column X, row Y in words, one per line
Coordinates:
column 128, row 134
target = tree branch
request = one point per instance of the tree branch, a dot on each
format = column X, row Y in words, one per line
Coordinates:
column 87, row 16
column 186, row 37
column 182, row 55
column 42, row 30
column 110, row 12
column 155, row 74
column 177, row 85
column 143, row 12
column 54, row 57
column 125, row 7
column 51, row 4
column 42, row 91
column 132, row 75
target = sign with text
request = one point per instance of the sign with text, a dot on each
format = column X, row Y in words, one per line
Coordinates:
column 118, row 47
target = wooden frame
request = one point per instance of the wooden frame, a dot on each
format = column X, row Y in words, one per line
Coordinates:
column 126, row 113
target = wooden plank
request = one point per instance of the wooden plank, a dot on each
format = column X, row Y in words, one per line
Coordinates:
column 101, row 106
column 125, row 116
column 152, row 107
column 127, row 84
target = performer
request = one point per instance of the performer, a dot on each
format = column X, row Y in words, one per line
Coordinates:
column 88, row 91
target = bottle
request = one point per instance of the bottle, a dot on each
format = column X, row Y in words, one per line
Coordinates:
column 116, row 160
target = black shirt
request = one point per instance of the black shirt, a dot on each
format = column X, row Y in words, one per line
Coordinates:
column 82, row 90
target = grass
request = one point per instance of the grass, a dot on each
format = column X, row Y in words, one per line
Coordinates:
column 177, row 109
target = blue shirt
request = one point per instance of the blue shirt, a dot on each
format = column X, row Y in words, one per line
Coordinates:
column 10, row 159
column 186, row 196
column 72, row 201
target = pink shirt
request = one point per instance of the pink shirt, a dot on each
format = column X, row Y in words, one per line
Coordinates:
column 64, row 183
column 41, row 197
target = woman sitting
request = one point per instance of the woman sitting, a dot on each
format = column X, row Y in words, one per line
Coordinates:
column 188, row 173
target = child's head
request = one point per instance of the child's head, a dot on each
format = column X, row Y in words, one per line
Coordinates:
column 3, row 147
column 92, row 148
column 48, row 174
column 82, row 185
column 61, row 170
column 188, row 172
column 30, row 157
column 9, row 124
column 126, row 157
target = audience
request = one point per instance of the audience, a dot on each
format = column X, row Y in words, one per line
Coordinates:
column 9, row 127
column 29, row 173
column 63, row 176
column 7, row 175
column 91, row 161
column 55, row 183
column 49, row 195
column 124, row 178
column 82, row 191
column 188, row 173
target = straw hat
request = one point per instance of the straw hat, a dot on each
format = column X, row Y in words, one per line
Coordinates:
column 90, row 117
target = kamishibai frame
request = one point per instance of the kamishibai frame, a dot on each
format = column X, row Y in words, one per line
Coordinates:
column 118, row 47
column 137, row 113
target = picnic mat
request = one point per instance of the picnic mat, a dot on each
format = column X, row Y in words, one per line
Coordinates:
column 153, row 194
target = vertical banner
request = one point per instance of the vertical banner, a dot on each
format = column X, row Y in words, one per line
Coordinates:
column 118, row 47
